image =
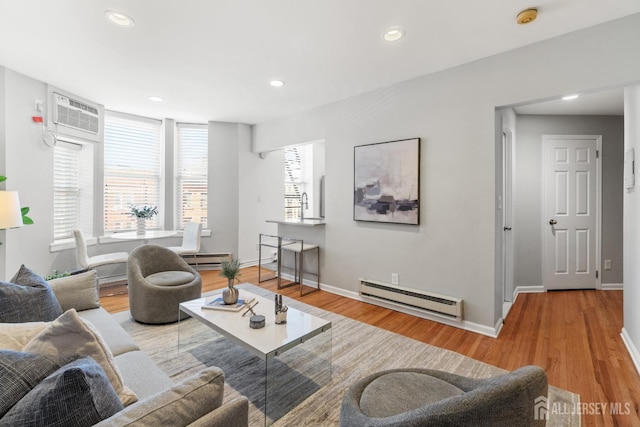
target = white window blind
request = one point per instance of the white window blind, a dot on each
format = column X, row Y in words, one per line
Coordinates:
column 132, row 169
column 191, row 175
column 293, row 181
column 66, row 190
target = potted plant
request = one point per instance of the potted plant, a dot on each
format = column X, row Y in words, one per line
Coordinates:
column 230, row 270
column 142, row 214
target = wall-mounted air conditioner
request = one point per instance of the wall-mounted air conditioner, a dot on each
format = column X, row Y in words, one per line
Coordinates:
column 74, row 117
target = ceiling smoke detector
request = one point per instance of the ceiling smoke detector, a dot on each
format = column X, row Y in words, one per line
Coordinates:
column 527, row 16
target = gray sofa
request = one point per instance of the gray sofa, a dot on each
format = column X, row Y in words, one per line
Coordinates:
column 196, row 401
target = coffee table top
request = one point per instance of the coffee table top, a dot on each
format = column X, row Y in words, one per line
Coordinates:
column 266, row 342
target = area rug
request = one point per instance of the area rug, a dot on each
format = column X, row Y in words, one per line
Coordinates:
column 359, row 349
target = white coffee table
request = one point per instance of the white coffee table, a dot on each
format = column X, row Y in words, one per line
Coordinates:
column 269, row 344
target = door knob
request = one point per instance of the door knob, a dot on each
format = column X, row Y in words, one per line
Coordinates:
column 507, row 228
column 553, row 222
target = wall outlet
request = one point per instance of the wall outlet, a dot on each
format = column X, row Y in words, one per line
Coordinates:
column 607, row 264
column 394, row 278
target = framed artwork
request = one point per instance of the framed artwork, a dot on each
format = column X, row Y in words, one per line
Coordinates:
column 387, row 182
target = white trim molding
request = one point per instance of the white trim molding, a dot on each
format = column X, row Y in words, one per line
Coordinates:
column 527, row 290
column 612, row 286
column 631, row 348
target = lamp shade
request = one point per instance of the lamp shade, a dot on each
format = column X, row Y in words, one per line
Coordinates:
column 10, row 215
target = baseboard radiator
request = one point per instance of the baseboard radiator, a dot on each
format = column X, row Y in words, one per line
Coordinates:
column 441, row 305
column 208, row 259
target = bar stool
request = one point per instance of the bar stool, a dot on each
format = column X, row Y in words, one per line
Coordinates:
column 298, row 248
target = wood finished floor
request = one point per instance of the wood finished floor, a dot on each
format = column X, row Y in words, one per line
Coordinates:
column 573, row 335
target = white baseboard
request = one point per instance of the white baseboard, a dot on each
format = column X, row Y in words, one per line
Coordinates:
column 527, row 290
column 631, row 348
column 612, row 286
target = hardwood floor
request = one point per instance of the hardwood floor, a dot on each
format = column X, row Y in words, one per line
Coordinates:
column 573, row 335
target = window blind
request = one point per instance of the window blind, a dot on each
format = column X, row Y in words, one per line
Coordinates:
column 132, row 169
column 191, row 174
column 293, row 182
column 66, row 190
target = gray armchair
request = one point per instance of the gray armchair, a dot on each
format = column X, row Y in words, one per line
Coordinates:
column 424, row 397
column 159, row 280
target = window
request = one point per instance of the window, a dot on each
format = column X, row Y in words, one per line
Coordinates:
column 191, row 174
column 72, row 189
column 132, row 169
column 297, row 161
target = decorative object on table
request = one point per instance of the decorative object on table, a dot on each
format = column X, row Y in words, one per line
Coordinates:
column 142, row 214
column 257, row 321
column 219, row 304
column 230, row 270
column 281, row 310
column 387, row 182
column 250, row 308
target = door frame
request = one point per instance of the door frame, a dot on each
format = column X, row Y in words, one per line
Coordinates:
column 507, row 216
column 545, row 225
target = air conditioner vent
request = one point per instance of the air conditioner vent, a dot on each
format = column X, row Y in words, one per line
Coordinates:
column 75, row 114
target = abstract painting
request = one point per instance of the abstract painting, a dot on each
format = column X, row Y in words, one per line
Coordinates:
column 387, row 182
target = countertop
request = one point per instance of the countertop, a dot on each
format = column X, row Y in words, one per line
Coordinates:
column 307, row 222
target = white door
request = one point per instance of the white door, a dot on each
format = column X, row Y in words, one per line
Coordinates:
column 571, row 200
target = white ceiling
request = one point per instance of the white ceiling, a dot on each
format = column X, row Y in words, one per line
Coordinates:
column 213, row 59
column 604, row 103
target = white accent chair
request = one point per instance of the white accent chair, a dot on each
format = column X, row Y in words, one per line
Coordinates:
column 89, row 263
column 190, row 241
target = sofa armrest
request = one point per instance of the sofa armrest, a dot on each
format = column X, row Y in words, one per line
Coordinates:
column 234, row 413
column 79, row 291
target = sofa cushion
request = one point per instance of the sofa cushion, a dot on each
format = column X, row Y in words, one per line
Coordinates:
column 141, row 374
column 170, row 278
column 117, row 339
column 180, row 405
column 27, row 298
column 79, row 291
column 77, row 394
column 397, row 392
column 69, row 337
column 19, row 373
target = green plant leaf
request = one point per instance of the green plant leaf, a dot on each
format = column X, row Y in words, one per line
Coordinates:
column 25, row 219
column 3, row 178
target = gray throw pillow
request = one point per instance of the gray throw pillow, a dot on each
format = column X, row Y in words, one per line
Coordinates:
column 27, row 298
column 19, row 373
column 77, row 394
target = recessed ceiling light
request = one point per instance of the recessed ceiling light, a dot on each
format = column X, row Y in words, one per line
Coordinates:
column 393, row 34
column 155, row 99
column 276, row 83
column 569, row 97
column 120, row 19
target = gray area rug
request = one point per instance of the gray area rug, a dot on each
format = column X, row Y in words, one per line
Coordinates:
column 358, row 350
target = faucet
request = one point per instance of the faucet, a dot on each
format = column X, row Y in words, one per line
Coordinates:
column 304, row 204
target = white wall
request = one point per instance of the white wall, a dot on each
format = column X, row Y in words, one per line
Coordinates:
column 631, row 332
column 528, row 183
column 453, row 250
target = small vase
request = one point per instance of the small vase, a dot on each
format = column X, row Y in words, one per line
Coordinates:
column 230, row 295
column 141, row 226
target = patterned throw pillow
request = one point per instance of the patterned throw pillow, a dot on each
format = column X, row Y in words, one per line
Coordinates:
column 27, row 298
column 20, row 373
column 77, row 394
